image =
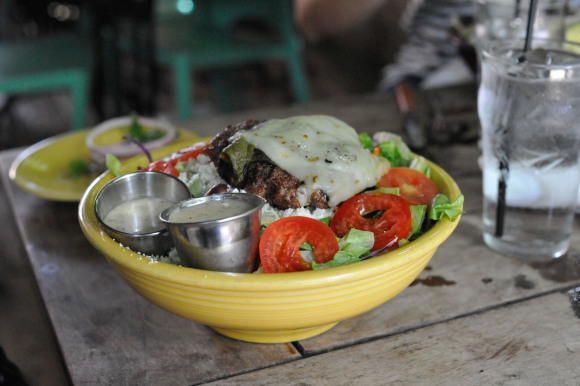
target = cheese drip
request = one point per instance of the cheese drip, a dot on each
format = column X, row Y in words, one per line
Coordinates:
column 320, row 150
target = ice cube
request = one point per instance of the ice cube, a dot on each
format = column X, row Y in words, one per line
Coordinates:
column 549, row 57
column 537, row 56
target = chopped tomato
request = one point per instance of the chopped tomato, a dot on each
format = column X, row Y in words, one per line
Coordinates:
column 163, row 167
column 182, row 157
column 281, row 241
column 413, row 185
column 394, row 222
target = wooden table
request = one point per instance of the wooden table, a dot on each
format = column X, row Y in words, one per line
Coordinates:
column 472, row 317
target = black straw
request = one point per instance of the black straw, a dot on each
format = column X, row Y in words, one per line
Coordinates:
column 501, row 192
column 530, row 26
column 504, row 159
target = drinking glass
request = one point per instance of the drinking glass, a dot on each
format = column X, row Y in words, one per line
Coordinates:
column 529, row 110
column 505, row 19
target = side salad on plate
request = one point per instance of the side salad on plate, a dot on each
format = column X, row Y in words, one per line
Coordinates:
column 334, row 197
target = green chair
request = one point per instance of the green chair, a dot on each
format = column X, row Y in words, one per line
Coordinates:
column 59, row 61
column 209, row 39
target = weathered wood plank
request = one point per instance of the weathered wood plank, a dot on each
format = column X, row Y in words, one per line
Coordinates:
column 535, row 342
column 25, row 332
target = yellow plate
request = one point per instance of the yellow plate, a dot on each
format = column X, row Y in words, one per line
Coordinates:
column 42, row 169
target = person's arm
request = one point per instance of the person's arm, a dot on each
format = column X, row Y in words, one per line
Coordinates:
column 324, row 18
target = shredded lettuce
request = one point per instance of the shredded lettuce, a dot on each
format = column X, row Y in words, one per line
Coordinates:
column 196, row 188
column 441, row 208
column 382, row 189
column 341, row 258
column 420, row 164
column 267, row 217
column 366, row 141
column 396, row 151
column 393, row 148
column 113, row 164
column 418, row 213
column 354, row 245
column 357, row 242
column 180, row 167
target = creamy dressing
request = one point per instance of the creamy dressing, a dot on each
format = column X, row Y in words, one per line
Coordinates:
column 320, row 150
column 138, row 216
column 209, row 210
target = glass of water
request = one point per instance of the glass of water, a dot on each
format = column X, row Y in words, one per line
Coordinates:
column 503, row 19
column 529, row 109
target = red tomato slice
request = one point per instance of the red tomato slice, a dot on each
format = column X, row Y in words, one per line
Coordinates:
column 413, row 185
column 182, row 157
column 280, row 243
column 169, row 166
column 163, row 167
column 395, row 221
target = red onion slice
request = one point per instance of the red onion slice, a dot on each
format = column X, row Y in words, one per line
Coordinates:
column 380, row 251
column 127, row 149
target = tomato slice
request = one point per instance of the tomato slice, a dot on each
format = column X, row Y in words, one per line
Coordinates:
column 163, row 167
column 394, row 222
column 413, row 185
column 169, row 166
column 182, row 157
column 280, row 243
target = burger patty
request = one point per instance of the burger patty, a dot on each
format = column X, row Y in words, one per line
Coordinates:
column 260, row 176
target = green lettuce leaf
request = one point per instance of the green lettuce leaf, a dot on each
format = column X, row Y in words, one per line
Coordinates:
column 341, row 258
column 441, row 208
column 357, row 242
column 420, row 164
column 418, row 214
column 382, row 189
column 366, row 141
column 354, row 245
column 113, row 164
column 396, row 151
column 196, row 188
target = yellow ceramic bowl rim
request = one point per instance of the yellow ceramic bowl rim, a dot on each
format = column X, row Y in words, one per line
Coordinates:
column 240, row 282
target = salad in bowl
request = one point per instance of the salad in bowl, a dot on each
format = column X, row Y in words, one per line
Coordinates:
column 350, row 221
column 333, row 196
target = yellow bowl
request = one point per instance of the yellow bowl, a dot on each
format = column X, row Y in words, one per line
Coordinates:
column 269, row 308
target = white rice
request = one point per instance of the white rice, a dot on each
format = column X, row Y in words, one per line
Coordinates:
column 200, row 175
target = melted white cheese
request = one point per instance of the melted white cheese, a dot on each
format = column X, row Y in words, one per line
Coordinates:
column 322, row 151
